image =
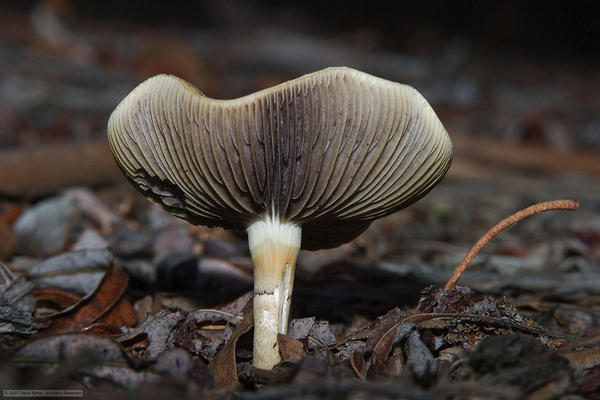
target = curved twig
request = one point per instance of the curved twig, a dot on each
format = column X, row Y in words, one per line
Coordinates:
column 572, row 205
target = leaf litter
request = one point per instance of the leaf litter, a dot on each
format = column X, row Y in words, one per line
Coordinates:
column 72, row 316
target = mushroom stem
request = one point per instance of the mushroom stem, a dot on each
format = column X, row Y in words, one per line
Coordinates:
column 274, row 246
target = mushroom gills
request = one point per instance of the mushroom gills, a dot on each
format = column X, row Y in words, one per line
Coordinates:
column 274, row 246
column 337, row 148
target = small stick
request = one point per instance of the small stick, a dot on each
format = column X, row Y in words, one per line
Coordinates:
column 502, row 225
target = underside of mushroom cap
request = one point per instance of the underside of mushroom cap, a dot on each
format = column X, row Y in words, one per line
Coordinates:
column 330, row 151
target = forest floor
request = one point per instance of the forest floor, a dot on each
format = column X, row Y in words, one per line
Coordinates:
column 102, row 291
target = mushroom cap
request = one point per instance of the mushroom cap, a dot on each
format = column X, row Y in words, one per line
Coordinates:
column 330, row 151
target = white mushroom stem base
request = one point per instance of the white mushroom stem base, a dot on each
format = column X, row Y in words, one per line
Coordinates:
column 274, row 246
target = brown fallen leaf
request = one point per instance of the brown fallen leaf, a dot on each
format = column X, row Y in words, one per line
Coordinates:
column 7, row 240
column 11, row 212
column 51, row 300
column 361, row 363
column 223, row 366
column 105, row 304
column 383, row 347
column 290, row 348
column 380, row 336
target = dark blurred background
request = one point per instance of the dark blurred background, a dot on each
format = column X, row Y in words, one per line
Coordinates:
column 516, row 71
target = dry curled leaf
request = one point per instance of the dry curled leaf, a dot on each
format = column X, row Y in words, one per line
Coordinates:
column 223, row 366
column 204, row 331
column 105, row 304
column 290, row 348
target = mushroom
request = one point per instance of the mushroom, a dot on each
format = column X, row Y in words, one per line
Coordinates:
column 308, row 164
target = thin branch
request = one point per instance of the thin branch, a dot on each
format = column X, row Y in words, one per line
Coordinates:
column 572, row 205
column 484, row 319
